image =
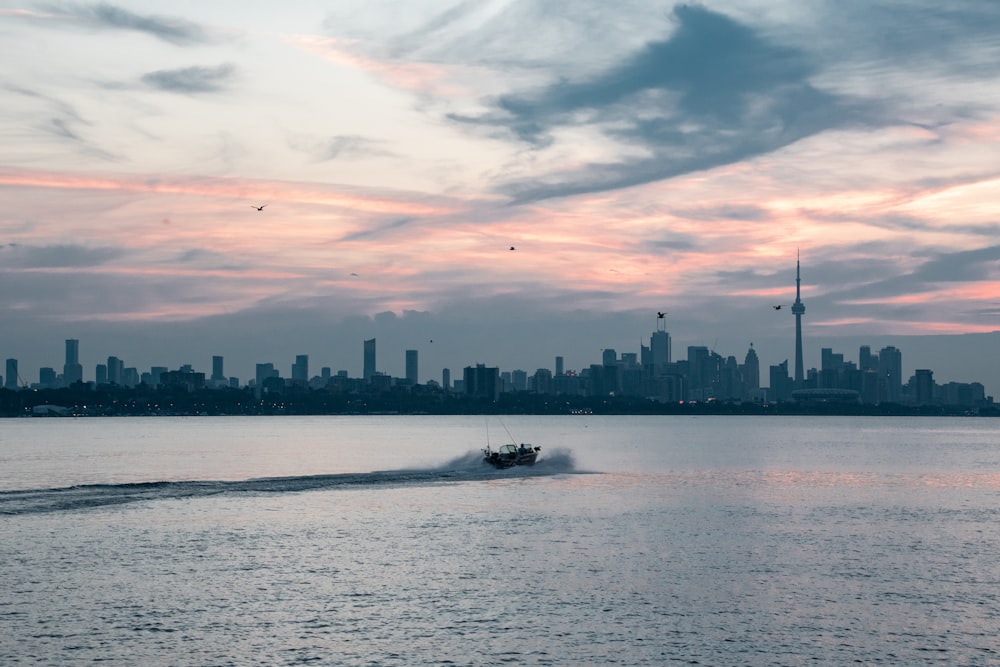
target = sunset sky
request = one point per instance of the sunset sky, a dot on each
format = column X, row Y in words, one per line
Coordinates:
column 639, row 156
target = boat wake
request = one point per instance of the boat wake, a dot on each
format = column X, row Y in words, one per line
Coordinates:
column 465, row 468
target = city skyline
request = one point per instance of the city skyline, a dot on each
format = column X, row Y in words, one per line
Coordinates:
column 513, row 180
column 657, row 354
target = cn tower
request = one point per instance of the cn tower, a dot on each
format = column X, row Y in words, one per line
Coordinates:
column 798, row 309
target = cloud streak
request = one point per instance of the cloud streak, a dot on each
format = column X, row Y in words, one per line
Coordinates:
column 106, row 16
column 713, row 93
column 192, row 80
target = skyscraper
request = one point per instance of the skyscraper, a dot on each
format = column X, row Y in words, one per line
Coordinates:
column 72, row 370
column 10, row 382
column 369, row 367
column 798, row 309
column 890, row 370
column 115, row 368
column 300, row 369
column 751, row 369
column 411, row 367
column 217, row 374
column 659, row 346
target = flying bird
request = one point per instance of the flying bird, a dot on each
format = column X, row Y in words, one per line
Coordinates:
column 660, row 315
column 259, row 208
column 512, row 247
column 776, row 307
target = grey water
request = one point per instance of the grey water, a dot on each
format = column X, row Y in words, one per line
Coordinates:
column 385, row 541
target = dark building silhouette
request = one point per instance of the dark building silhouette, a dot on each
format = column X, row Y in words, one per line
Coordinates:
column 10, row 382
column 482, row 382
column 412, row 367
column 890, row 369
column 217, row 374
column 798, row 309
column 72, row 370
column 369, row 360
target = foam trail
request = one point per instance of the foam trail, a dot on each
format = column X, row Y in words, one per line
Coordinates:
column 465, row 468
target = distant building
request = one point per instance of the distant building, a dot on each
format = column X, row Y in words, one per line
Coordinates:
column 300, row 369
column 923, row 381
column 369, row 361
column 750, row 371
column 115, row 368
column 519, row 380
column 411, row 367
column 11, row 378
column 187, row 380
column 218, row 375
column 890, row 370
column 46, row 378
column 263, row 373
column 781, row 384
column 72, row 370
column 482, row 382
column 156, row 375
column 659, row 348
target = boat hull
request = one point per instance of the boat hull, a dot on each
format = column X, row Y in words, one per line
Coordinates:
column 509, row 456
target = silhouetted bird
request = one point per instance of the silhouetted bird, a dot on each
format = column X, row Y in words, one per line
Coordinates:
column 512, row 247
column 660, row 315
column 259, row 208
column 777, row 307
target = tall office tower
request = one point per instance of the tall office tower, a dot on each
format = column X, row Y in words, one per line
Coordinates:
column 482, row 382
column 115, row 368
column 924, row 386
column 411, row 367
column 263, row 372
column 72, row 370
column 890, row 370
column 798, row 309
column 446, row 378
column 610, row 357
column 369, row 368
column 101, row 374
column 659, row 346
column 300, row 369
column 699, row 370
column 866, row 360
column 781, row 389
column 217, row 374
column 11, row 379
column 751, row 369
column 559, row 366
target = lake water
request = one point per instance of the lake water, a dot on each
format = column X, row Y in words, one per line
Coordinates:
column 385, row 541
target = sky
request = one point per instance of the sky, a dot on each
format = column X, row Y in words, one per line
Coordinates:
column 498, row 181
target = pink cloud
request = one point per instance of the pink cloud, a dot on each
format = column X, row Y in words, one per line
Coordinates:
column 421, row 77
column 232, row 189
